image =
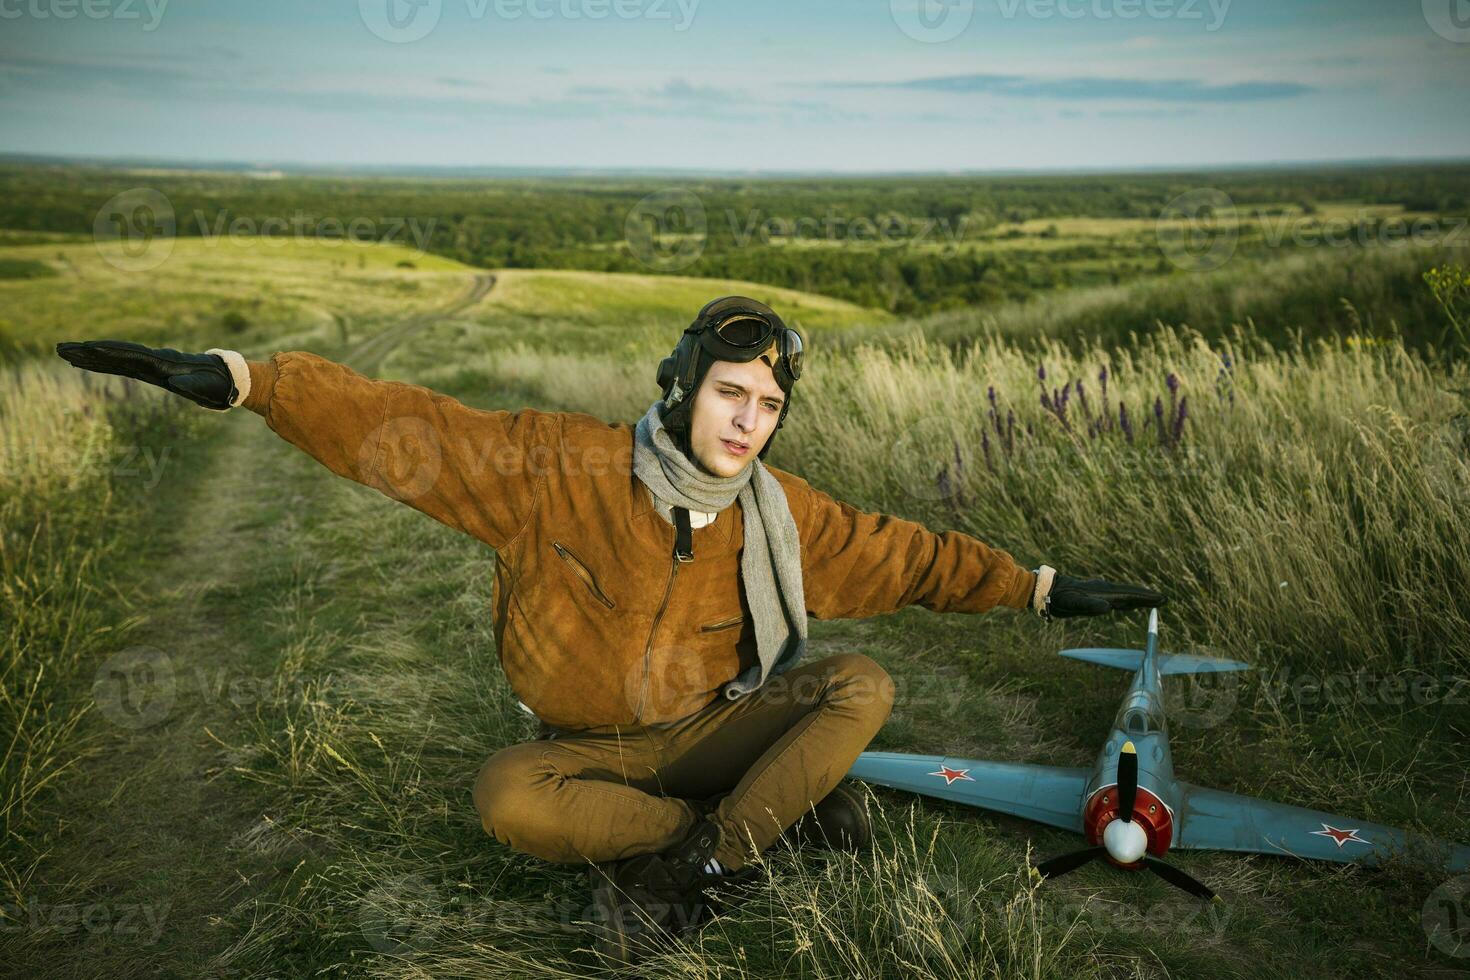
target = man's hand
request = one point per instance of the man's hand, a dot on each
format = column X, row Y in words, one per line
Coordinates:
column 202, row 378
column 1061, row 596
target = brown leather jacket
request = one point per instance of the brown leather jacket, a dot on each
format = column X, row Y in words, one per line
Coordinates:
column 595, row 622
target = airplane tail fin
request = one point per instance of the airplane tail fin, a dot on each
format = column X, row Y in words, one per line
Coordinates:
column 1169, row 663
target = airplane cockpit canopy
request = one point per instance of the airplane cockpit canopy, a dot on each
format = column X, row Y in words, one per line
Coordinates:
column 1140, row 719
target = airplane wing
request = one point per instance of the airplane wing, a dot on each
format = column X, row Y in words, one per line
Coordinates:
column 1214, row 820
column 1045, row 794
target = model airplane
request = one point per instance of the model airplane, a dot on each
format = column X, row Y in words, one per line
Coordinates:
column 1128, row 805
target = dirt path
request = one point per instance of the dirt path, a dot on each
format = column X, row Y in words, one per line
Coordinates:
column 135, row 883
column 367, row 356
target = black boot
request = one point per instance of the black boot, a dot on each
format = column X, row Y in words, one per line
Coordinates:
column 640, row 902
column 838, row 822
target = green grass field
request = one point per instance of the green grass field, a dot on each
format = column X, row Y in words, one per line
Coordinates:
column 288, row 792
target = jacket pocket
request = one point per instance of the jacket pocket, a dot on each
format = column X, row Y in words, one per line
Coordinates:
column 723, row 624
column 583, row 573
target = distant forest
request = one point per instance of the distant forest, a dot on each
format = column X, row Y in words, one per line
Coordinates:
column 909, row 245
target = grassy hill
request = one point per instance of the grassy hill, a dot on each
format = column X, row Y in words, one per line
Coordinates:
column 287, row 790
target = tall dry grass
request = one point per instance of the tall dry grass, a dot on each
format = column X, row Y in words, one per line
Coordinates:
column 65, row 493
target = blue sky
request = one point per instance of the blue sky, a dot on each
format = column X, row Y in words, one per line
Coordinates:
column 748, row 85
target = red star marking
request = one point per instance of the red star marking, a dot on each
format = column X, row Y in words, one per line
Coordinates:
column 950, row 775
column 1341, row 837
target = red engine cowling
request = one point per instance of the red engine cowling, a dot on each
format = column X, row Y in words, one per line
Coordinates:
column 1149, row 811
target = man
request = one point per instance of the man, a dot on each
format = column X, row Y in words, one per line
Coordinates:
column 657, row 632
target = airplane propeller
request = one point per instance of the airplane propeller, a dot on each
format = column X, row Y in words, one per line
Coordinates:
column 1124, row 839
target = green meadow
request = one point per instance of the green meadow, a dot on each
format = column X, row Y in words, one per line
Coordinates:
column 1280, row 443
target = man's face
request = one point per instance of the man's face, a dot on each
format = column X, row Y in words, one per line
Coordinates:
column 740, row 402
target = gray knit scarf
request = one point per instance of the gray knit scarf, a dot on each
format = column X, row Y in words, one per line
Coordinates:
column 772, row 547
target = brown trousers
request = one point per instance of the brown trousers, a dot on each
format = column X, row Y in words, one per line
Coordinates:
column 617, row 791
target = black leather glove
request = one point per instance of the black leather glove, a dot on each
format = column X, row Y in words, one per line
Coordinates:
column 1071, row 596
column 204, row 379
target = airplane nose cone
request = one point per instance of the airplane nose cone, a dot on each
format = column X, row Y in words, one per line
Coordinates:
column 1125, row 841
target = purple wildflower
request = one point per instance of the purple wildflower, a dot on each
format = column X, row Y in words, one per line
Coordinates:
column 1102, row 378
column 1179, row 418
column 1123, row 422
column 1172, row 381
column 985, row 448
column 1159, row 418
column 991, row 395
column 1041, row 372
column 1010, row 431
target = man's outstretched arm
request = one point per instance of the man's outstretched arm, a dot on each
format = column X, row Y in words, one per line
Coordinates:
column 857, row 564
column 477, row 471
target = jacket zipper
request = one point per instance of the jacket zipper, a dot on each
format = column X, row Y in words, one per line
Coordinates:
column 648, row 648
column 722, row 624
column 582, row 573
